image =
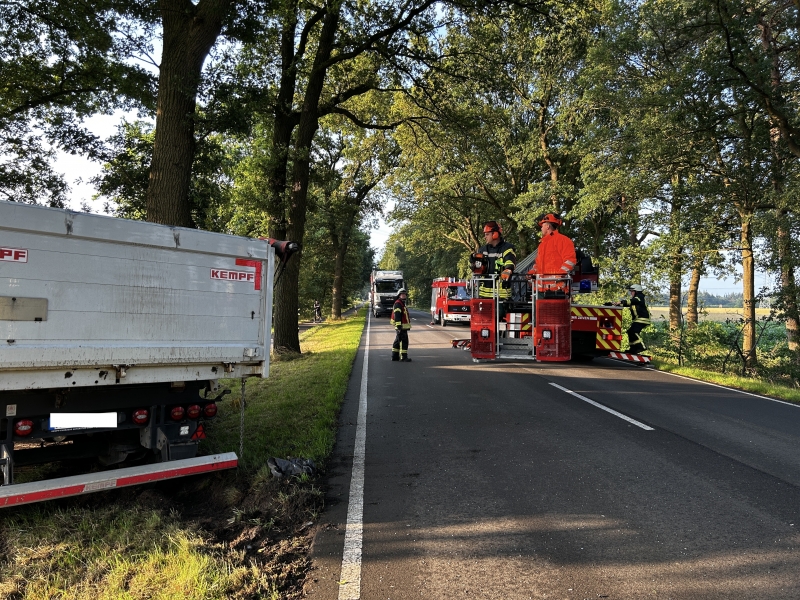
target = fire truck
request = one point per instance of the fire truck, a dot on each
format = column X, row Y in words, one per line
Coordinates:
column 543, row 319
column 450, row 301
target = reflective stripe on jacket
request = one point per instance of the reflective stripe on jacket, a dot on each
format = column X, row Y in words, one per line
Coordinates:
column 638, row 308
column 555, row 256
column 400, row 315
column 501, row 257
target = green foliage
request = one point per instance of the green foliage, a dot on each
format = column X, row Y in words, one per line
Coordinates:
column 421, row 260
column 63, row 62
column 717, row 346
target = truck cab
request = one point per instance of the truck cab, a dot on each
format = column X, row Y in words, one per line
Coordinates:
column 450, row 301
column 384, row 286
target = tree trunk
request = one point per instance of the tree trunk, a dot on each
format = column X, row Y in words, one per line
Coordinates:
column 286, row 301
column 691, row 300
column 338, row 280
column 748, row 292
column 189, row 33
column 675, row 268
column 283, row 124
column 788, row 284
column 675, row 275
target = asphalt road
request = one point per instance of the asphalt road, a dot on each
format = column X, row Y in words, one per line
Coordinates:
column 488, row 481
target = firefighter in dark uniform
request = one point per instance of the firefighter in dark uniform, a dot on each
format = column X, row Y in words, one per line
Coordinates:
column 402, row 323
column 640, row 318
column 502, row 258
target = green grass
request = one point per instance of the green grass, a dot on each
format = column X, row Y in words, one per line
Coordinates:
column 293, row 412
column 132, row 547
column 109, row 553
column 747, row 384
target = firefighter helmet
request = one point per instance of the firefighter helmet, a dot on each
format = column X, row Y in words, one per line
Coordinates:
column 494, row 228
column 551, row 218
column 635, row 287
column 402, row 291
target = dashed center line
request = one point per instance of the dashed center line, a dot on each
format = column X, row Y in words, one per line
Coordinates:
column 605, row 408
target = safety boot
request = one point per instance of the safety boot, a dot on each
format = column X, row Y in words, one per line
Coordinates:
column 405, row 359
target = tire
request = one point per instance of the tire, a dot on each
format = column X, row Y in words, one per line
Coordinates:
column 442, row 322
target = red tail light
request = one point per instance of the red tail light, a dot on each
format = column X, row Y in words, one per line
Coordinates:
column 23, row 427
column 141, row 416
column 210, row 410
column 177, row 412
column 193, row 411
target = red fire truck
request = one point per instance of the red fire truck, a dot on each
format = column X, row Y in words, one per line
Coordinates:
column 450, row 301
column 543, row 320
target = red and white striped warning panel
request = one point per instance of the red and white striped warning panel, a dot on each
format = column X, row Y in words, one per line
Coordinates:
column 26, row 493
column 637, row 358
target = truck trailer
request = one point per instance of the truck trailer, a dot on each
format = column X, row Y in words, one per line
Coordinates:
column 115, row 334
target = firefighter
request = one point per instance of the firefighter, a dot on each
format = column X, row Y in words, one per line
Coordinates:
column 640, row 318
column 556, row 253
column 401, row 322
column 502, row 258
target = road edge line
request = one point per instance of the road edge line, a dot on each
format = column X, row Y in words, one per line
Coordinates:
column 350, row 580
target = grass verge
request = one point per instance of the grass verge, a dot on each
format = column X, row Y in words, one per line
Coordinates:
column 236, row 535
column 747, row 384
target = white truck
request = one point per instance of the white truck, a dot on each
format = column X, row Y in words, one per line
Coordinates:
column 114, row 334
column 384, row 286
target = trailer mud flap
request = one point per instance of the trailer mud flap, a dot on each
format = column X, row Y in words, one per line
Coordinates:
column 27, row 493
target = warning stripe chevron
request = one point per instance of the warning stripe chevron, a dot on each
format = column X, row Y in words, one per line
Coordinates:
column 636, row 358
column 608, row 338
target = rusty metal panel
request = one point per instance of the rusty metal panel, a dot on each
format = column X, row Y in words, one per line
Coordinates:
column 13, row 308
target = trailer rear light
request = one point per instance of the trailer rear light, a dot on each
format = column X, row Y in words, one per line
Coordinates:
column 210, row 410
column 23, row 427
column 611, row 336
column 141, row 416
column 193, row 411
column 177, row 412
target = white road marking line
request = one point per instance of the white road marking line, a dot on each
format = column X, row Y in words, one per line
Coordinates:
column 350, row 581
column 730, row 389
column 605, row 408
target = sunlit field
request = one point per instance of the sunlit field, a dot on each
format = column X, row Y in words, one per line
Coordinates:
column 708, row 314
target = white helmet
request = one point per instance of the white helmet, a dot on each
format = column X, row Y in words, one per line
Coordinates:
column 636, row 287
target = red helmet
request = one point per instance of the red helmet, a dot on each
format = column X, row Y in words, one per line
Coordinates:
column 551, row 218
column 492, row 227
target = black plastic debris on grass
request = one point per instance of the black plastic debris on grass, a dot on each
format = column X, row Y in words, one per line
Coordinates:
column 291, row 467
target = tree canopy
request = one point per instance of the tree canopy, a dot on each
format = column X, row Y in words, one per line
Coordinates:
column 665, row 132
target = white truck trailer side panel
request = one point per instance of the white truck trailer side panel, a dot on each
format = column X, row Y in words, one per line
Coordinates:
column 92, row 300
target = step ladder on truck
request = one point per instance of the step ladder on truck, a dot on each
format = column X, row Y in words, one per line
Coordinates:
column 115, row 333
column 543, row 321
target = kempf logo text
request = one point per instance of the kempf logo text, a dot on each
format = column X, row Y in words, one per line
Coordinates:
column 232, row 275
column 13, row 255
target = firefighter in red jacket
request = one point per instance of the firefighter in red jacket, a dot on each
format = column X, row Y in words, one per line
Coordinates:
column 402, row 323
column 556, row 253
